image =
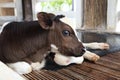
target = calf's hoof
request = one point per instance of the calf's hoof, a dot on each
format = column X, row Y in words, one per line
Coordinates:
column 95, row 58
column 103, row 46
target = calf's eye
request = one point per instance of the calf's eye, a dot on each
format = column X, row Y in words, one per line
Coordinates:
column 66, row 33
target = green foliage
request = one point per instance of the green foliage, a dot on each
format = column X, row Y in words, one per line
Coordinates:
column 56, row 4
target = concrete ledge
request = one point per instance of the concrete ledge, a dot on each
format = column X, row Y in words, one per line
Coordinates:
column 8, row 74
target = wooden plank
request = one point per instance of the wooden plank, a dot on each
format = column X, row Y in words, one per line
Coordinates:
column 109, row 64
column 70, row 74
column 95, row 14
column 115, row 57
column 56, row 75
column 90, row 73
column 7, row 12
column 80, row 72
column 103, row 69
column 41, row 74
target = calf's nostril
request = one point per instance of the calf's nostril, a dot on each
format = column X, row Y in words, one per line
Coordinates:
column 83, row 50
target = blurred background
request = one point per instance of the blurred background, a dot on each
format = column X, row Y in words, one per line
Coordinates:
column 96, row 15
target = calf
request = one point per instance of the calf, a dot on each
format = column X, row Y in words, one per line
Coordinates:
column 24, row 45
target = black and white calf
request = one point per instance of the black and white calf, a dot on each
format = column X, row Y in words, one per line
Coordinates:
column 24, row 45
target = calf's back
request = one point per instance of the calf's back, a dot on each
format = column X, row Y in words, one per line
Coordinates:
column 21, row 39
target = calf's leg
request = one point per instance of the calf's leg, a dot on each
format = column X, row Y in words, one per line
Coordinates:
column 21, row 67
column 33, row 62
column 91, row 56
column 96, row 45
column 38, row 65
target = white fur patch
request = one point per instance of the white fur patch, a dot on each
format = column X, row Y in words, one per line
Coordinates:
column 77, row 60
column 21, row 67
column 54, row 48
column 38, row 65
column 3, row 26
column 65, row 60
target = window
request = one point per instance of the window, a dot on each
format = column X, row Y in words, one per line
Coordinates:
column 10, row 10
column 54, row 6
column 69, row 8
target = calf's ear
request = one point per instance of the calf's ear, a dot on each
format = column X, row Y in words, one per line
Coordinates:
column 45, row 19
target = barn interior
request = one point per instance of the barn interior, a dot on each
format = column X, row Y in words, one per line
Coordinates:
column 94, row 21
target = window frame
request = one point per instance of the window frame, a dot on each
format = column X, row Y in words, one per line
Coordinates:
column 76, row 13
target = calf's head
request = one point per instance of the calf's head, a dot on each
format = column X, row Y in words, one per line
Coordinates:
column 60, row 34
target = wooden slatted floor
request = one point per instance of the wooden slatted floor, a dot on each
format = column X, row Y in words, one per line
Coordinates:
column 107, row 68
